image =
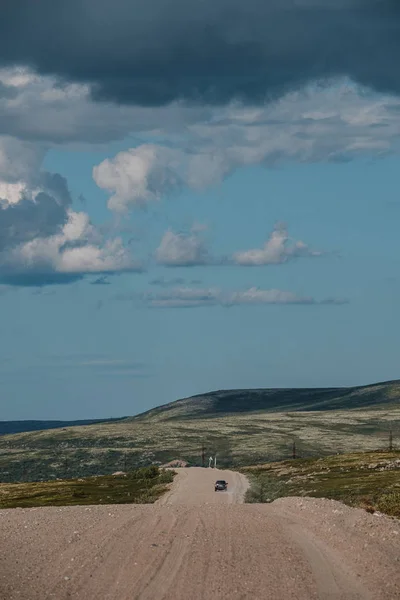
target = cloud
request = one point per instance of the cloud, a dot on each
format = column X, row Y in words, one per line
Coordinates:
column 138, row 176
column 277, row 250
column 189, row 249
column 182, row 250
column 331, row 124
column 81, row 366
column 187, row 297
column 5, row 289
column 41, row 110
column 39, row 212
column 188, row 146
column 148, row 172
column 163, row 282
column 319, row 123
column 199, row 146
column 103, row 280
column 19, row 161
column 64, row 257
column 113, row 367
column 184, row 297
column 42, row 239
column 151, row 54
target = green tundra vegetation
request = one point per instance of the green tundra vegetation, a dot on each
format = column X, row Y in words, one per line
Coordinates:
column 369, row 480
column 142, row 486
column 242, row 427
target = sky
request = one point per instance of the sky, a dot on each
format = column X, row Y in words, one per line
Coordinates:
column 195, row 196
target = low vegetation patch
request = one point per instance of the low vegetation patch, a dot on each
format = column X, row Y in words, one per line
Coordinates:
column 370, row 480
column 142, row 486
column 240, row 427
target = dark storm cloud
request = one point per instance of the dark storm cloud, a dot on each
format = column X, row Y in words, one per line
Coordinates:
column 7, row 91
column 43, row 217
column 150, row 53
column 28, row 220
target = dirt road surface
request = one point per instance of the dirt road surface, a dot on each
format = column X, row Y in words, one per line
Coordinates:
column 197, row 544
column 195, row 486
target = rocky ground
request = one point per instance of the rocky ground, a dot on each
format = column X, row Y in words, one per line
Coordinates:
column 197, row 544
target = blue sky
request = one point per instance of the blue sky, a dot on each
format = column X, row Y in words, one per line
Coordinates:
column 82, row 350
column 153, row 247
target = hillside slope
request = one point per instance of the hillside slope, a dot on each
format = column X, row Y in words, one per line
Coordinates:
column 242, row 427
column 277, row 400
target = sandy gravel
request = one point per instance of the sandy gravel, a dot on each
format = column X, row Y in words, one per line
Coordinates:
column 195, row 486
column 197, row 544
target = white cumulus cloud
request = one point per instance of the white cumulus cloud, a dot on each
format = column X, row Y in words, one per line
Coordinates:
column 76, row 250
column 42, row 239
column 182, row 250
column 138, row 176
column 189, row 249
column 340, row 122
column 279, row 248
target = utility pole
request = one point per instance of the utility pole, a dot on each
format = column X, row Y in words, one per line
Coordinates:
column 294, row 449
column 203, row 455
column 215, row 461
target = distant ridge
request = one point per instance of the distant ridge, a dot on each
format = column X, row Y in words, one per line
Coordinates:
column 7, row 427
column 239, row 402
column 241, row 427
column 242, row 401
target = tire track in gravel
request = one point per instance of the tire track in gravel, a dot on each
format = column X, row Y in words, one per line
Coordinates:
column 197, row 544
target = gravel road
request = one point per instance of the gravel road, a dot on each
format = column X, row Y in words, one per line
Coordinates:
column 197, row 544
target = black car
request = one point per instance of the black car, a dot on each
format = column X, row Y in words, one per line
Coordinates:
column 221, row 485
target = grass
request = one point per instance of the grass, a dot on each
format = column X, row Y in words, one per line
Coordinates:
column 243, row 427
column 143, row 486
column 370, row 480
column 238, row 440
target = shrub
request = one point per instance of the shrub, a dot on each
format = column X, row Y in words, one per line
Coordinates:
column 389, row 504
column 148, row 472
column 265, row 489
column 166, row 476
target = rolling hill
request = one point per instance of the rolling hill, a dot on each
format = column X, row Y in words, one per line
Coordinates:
column 278, row 400
column 242, row 427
